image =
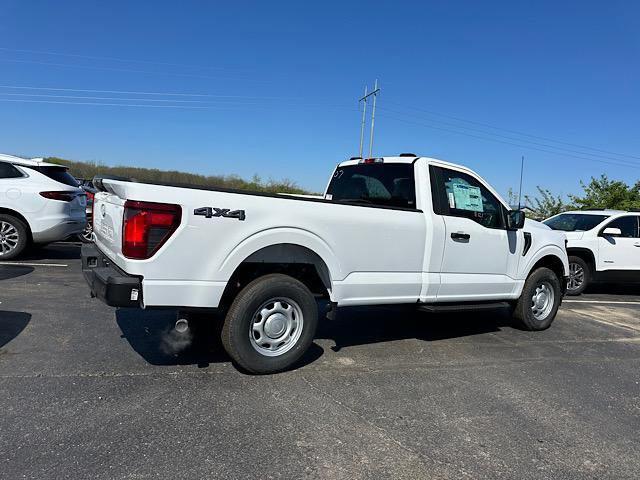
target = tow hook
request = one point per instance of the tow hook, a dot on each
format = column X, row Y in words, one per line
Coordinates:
column 182, row 326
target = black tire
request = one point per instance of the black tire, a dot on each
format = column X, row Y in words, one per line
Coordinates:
column 585, row 269
column 524, row 309
column 243, row 313
column 13, row 226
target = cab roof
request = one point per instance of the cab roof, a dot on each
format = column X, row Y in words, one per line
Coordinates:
column 402, row 158
column 27, row 162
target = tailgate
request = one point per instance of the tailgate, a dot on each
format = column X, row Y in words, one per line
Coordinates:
column 108, row 211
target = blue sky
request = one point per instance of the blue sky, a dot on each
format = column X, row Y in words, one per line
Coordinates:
column 271, row 87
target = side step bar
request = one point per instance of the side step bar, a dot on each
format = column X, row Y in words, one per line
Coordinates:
column 462, row 307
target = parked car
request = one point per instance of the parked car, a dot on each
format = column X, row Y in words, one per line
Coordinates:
column 86, row 236
column 393, row 230
column 39, row 203
column 603, row 246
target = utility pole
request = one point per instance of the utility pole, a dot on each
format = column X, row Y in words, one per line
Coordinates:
column 373, row 116
column 520, row 190
column 374, row 94
column 364, row 120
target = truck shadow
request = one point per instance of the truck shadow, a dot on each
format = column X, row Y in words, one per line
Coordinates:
column 11, row 325
column 365, row 325
column 151, row 332
column 152, row 335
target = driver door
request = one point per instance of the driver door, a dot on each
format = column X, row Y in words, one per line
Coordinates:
column 480, row 255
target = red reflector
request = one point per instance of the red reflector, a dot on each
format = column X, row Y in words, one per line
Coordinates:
column 147, row 226
column 61, row 196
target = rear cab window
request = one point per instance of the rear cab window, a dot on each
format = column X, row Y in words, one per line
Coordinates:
column 376, row 184
column 58, row 174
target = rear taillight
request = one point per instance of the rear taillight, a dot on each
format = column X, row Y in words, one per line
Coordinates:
column 147, row 226
column 62, row 196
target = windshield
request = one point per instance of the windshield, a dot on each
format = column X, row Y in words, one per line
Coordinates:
column 575, row 222
column 390, row 184
column 59, row 174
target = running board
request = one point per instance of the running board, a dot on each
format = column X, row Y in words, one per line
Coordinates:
column 462, row 307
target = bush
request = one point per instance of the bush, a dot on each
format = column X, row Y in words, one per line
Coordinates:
column 89, row 170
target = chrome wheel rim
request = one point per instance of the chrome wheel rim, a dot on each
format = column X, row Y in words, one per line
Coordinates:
column 276, row 326
column 87, row 233
column 542, row 301
column 576, row 276
column 9, row 238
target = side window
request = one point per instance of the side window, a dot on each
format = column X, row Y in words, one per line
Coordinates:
column 627, row 225
column 9, row 171
column 457, row 194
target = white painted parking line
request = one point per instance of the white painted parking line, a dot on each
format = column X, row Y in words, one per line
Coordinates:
column 25, row 264
column 602, row 302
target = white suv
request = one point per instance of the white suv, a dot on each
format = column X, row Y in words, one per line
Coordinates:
column 39, row 203
column 603, row 246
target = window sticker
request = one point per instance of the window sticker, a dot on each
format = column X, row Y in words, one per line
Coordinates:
column 452, row 200
column 328, row 196
column 467, row 197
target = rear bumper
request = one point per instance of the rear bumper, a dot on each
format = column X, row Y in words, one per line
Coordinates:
column 108, row 282
column 60, row 231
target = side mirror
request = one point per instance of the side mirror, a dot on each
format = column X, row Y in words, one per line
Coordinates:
column 515, row 219
column 611, row 232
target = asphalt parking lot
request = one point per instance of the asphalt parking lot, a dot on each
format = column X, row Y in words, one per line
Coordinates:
column 88, row 391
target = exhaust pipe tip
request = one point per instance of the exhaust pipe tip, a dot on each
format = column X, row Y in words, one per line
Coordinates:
column 182, row 325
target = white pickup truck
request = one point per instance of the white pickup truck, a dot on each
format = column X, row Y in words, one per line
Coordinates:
column 392, row 230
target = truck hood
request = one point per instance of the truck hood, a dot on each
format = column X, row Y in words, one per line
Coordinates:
column 533, row 224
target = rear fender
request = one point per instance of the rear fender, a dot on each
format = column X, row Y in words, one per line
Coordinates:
column 278, row 236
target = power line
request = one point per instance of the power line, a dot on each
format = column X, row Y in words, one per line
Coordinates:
column 584, row 147
column 511, row 143
column 115, row 59
column 516, row 139
column 129, row 70
column 166, row 100
column 207, row 106
column 130, row 92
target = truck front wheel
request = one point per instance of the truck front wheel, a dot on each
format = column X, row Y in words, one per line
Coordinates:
column 538, row 304
column 270, row 324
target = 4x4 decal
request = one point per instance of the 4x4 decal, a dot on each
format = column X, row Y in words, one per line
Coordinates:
column 209, row 212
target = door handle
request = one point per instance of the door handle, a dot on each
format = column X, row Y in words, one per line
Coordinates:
column 636, row 244
column 460, row 236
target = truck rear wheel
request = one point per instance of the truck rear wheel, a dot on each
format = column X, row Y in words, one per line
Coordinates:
column 270, row 324
column 538, row 304
column 13, row 237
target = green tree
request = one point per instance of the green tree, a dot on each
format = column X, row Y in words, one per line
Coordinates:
column 605, row 193
column 546, row 204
